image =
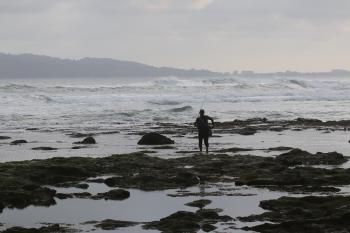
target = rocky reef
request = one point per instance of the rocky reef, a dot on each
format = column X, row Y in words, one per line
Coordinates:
column 305, row 214
column 30, row 183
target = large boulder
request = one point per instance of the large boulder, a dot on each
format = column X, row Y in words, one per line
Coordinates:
column 18, row 142
column 154, row 139
column 300, row 157
column 114, row 194
column 88, row 140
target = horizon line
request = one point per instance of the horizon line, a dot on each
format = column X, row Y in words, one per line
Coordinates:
column 238, row 72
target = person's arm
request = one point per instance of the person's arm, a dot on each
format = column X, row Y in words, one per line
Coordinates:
column 212, row 121
column 195, row 123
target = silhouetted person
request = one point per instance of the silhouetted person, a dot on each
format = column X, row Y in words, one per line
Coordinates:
column 204, row 130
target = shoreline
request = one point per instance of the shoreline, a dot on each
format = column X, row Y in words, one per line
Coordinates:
column 248, row 158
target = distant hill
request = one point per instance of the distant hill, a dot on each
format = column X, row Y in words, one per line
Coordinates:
column 37, row 66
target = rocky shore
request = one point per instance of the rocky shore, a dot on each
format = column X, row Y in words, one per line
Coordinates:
column 24, row 183
column 321, row 206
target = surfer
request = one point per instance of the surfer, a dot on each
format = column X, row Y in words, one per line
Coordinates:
column 204, row 130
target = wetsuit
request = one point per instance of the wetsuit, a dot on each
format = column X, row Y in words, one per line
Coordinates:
column 203, row 130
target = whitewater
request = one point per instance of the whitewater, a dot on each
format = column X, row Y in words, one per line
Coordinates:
column 105, row 104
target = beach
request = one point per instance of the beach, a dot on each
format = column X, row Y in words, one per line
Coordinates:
column 264, row 147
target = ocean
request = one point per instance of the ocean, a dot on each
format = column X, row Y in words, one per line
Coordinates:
column 107, row 104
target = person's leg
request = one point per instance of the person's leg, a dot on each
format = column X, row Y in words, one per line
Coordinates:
column 200, row 140
column 206, row 142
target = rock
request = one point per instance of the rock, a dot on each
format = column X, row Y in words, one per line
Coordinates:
column 80, row 135
column 32, row 129
column 303, row 214
column 78, row 147
column 82, row 195
column 81, row 186
column 109, row 224
column 4, row 137
column 154, row 139
column 309, row 121
column 64, row 195
column 46, row 229
column 18, row 142
column 208, row 214
column 234, row 150
column 72, row 185
column 163, row 147
column 115, row 194
column 199, row 203
column 44, row 148
column 181, row 221
column 300, row 157
column 208, row 227
column 96, row 180
column 247, row 131
column 22, row 196
column 280, row 148
column 88, row 140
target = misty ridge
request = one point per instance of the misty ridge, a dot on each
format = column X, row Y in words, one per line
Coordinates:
column 39, row 66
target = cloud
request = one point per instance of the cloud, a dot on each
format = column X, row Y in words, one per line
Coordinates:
column 216, row 34
column 201, row 4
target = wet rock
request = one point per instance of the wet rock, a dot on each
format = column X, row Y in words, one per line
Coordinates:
column 96, row 180
column 163, row 147
column 300, row 189
column 110, row 224
column 82, row 195
column 155, row 181
column 88, row 140
column 234, row 150
column 32, row 129
column 64, row 195
column 18, row 142
column 21, row 196
column 72, row 185
column 247, row 131
column 309, row 121
column 82, row 186
column 181, row 221
column 213, row 214
column 280, row 148
column 115, row 194
column 154, row 139
column 47, row 229
column 44, row 148
column 208, row 227
column 199, row 203
column 80, row 135
column 305, row 214
column 4, row 137
column 78, row 147
column 148, row 151
column 300, row 157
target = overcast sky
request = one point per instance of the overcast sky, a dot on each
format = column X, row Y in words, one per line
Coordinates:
column 221, row 35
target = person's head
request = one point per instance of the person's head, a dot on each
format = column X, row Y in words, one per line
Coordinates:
column 201, row 112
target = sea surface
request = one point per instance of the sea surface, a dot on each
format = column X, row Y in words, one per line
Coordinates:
column 113, row 103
